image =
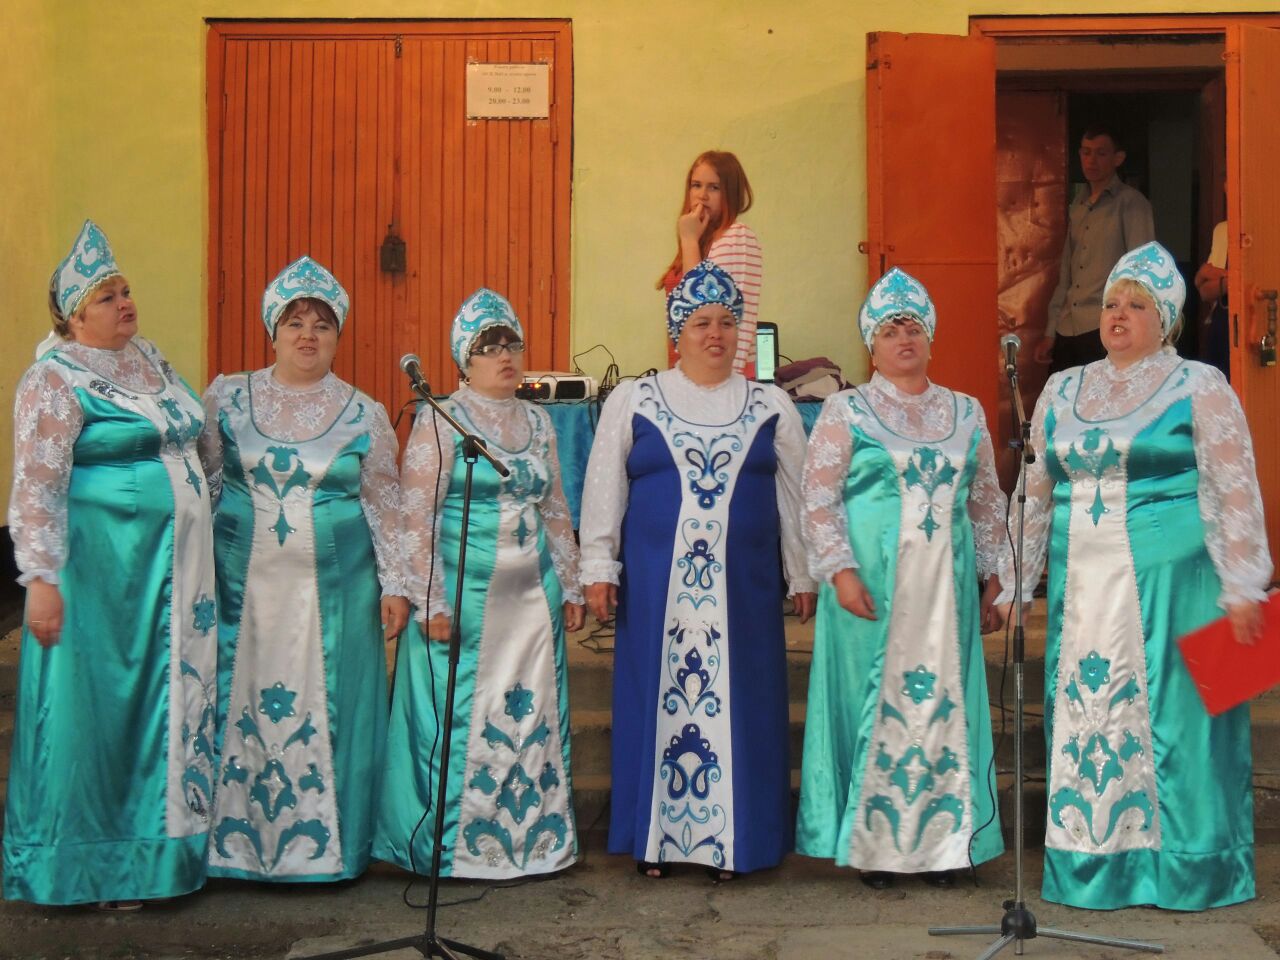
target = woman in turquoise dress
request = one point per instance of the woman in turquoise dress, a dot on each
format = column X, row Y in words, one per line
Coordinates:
column 903, row 515
column 311, row 583
column 111, row 779
column 1145, row 497
column 509, row 810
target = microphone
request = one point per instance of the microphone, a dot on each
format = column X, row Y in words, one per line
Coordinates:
column 1010, row 344
column 412, row 367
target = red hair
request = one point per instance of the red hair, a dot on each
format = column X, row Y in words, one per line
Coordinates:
column 734, row 188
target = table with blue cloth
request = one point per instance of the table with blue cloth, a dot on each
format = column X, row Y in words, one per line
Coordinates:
column 575, row 423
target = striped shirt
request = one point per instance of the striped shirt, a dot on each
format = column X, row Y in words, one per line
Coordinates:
column 738, row 253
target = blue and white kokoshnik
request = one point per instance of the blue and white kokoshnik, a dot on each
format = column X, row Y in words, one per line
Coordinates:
column 896, row 294
column 89, row 263
column 1153, row 266
column 706, row 283
column 303, row 278
column 480, row 311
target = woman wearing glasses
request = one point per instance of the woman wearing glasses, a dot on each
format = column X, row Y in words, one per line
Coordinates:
column 509, row 810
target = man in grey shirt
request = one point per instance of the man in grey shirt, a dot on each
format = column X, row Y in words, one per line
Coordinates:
column 1106, row 220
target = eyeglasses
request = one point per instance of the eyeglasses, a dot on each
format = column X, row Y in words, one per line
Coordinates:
column 494, row 350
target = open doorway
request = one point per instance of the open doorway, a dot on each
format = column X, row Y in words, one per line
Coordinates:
column 1163, row 95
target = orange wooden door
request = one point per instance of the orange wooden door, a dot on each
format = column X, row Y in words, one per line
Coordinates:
column 485, row 202
column 325, row 136
column 1253, row 212
column 931, row 192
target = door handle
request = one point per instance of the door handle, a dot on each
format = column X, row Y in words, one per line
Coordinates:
column 1267, row 346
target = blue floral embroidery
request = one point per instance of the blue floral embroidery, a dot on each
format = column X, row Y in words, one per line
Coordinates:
column 693, row 677
column 699, row 563
column 708, row 473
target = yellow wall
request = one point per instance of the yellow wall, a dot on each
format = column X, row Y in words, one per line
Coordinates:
column 27, row 243
column 105, row 117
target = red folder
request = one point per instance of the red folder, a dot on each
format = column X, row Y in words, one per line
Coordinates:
column 1228, row 673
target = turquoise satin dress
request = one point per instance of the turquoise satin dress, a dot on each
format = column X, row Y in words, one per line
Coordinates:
column 111, row 779
column 897, row 773
column 302, row 707
column 1150, row 798
column 509, row 810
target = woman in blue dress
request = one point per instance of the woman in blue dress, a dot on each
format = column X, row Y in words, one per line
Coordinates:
column 903, row 514
column 1145, row 498
column 509, row 811
column 111, row 780
column 690, row 523
column 311, row 582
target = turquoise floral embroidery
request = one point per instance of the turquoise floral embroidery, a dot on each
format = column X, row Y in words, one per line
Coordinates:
column 277, row 702
column 203, row 614
column 516, row 796
column 483, row 781
column 1095, row 763
column 1095, row 670
column 929, row 469
column 918, row 684
column 267, row 476
column 1095, row 460
column 519, row 703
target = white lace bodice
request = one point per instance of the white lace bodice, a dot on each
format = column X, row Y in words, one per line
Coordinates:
column 1230, row 500
column 606, row 489
column 512, row 425
column 47, row 421
column 299, row 414
column 925, row 417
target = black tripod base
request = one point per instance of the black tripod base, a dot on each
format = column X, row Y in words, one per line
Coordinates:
column 1019, row 925
column 426, row 945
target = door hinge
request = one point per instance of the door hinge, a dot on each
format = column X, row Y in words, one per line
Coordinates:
column 399, row 47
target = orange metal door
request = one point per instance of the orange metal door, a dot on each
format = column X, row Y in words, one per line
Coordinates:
column 1253, row 212
column 931, row 192
column 325, row 136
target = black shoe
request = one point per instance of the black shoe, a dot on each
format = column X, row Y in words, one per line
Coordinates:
column 942, row 879
column 877, row 879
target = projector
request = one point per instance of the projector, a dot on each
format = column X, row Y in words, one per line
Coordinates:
column 550, row 385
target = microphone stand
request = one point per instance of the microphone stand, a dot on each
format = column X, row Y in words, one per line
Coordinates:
column 429, row 943
column 1018, row 923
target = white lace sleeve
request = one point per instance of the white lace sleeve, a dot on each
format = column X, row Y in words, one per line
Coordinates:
column 380, row 503
column 789, row 448
column 826, row 466
column 424, row 485
column 987, row 508
column 558, row 522
column 47, row 421
column 209, row 445
column 1230, row 500
column 1039, row 508
column 606, row 490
